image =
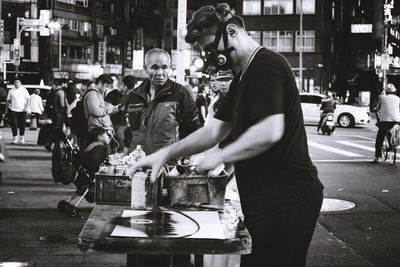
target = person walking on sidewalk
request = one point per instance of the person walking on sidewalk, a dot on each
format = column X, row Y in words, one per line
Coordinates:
column 17, row 102
column 280, row 192
column 35, row 108
column 389, row 115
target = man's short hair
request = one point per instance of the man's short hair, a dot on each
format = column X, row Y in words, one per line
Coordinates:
column 129, row 81
column 104, row 79
column 156, row 51
column 209, row 18
column 61, row 81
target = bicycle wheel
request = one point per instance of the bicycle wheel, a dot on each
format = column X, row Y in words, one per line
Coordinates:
column 385, row 148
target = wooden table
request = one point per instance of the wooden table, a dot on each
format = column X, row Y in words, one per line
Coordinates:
column 96, row 236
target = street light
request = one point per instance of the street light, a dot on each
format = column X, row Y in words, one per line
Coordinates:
column 56, row 26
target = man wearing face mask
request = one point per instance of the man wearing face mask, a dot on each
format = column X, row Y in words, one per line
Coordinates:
column 280, row 192
column 160, row 111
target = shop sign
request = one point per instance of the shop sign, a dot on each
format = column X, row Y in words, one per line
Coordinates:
column 385, row 61
column 102, row 53
column 361, row 28
column 113, row 68
column 60, row 74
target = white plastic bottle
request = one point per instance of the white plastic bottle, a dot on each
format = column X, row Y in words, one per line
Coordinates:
column 138, row 153
column 138, row 190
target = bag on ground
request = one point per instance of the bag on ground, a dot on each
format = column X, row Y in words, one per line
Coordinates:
column 62, row 169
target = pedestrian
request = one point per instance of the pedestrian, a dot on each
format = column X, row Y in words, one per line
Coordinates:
column 328, row 105
column 17, row 104
column 96, row 110
column 159, row 106
column 280, row 192
column 35, row 108
column 56, row 109
column 118, row 97
column 3, row 100
column 71, row 98
column 201, row 102
column 389, row 115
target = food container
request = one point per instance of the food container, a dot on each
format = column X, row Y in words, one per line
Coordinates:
column 197, row 189
column 112, row 189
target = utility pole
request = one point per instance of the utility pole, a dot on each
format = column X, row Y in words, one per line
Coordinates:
column 301, row 48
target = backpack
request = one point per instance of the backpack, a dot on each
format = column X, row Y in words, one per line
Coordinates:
column 50, row 103
column 78, row 121
column 62, row 169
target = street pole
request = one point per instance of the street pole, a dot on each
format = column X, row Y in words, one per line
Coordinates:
column 59, row 48
column 181, row 45
column 301, row 48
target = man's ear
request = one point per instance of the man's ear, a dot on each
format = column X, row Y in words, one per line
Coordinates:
column 232, row 29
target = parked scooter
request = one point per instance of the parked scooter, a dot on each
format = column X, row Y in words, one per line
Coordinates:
column 328, row 124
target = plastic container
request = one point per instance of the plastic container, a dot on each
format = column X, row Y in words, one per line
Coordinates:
column 197, row 189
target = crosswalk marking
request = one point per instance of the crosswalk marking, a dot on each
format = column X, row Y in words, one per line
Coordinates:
column 347, row 143
column 358, row 136
column 333, row 150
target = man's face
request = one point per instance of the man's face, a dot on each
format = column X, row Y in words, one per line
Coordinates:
column 103, row 87
column 17, row 84
column 223, row 84
column 157, row 68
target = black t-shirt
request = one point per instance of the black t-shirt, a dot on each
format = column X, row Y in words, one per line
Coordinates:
column 276, row 179
column 115, row 97
column 201, row 101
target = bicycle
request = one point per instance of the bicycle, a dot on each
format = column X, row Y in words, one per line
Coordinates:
column 390, row 143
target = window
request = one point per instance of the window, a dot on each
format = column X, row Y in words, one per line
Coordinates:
column 308, row 7
column 308, row 41
column 68, row 1
column 280, row 41
column 255, row 35
column 276, row 7
column 251, row 7
column 99, row 31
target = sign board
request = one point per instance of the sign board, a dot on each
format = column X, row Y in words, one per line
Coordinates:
column 385, row 61
column 361, row 28
column 102, row 53
column 1, row 32
column 31, row 22
column 113, row 68
column 17, row 59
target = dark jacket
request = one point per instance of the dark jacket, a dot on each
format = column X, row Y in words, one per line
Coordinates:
column 171, row 116
column 328, row 105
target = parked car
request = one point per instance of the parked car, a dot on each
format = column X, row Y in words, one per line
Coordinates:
column 345, row 115
column 44, row 91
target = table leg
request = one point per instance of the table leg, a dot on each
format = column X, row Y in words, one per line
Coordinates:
column 198, row 260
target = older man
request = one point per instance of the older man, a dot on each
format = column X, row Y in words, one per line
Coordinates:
column 279, row 189
column 160, row 111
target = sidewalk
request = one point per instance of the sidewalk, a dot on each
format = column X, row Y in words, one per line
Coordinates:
column 28, row 210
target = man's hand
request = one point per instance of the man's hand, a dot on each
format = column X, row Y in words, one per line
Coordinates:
column 210, row 161
column 156, row 161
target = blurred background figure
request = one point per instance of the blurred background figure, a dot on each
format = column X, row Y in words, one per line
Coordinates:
column 35, row 109
column 3, row 99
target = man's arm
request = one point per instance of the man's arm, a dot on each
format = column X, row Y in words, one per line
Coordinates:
column 94, row 107
column 256, row 140
column 202, row 139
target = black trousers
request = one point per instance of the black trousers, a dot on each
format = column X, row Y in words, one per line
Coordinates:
column 283, row 239
column 384, row 126
column 17, row 121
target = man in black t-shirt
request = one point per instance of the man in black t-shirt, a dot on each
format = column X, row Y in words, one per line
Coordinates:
column 280, row 192
column 116, row 97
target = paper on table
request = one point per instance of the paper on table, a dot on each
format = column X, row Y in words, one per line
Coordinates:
column 208, row 221
column 210, row 224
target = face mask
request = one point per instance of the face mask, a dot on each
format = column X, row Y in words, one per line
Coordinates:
column 217, row 59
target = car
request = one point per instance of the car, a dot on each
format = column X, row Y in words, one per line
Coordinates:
column 345, row 115
column 44, row 91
